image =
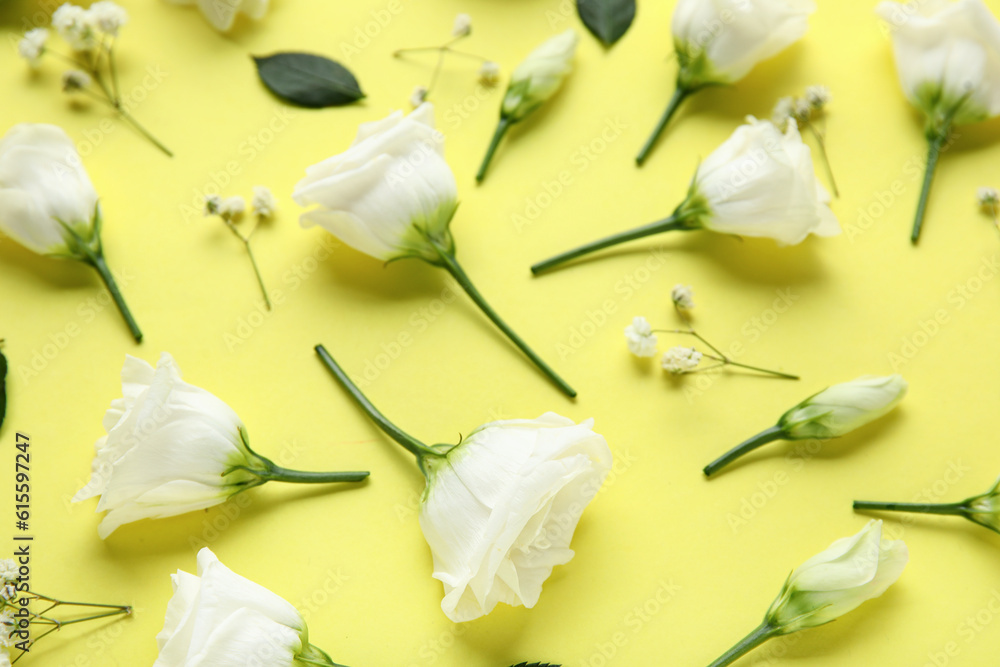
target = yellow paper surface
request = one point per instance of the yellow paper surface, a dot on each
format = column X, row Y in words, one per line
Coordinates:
column 669, row 568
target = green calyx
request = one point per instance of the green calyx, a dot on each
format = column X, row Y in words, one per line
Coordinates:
column 83, row 239
column 945, row 110
column 517, row 103
column 426, row 234
column 695, row 69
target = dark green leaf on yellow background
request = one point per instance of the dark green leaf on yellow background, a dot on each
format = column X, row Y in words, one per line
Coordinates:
column 308, row 80
column 609, row 20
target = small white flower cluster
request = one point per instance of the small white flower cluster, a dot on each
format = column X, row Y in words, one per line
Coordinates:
column 801, row 109
column 32, row 45
column 85, row 29
column 263, row 204
column 489, row 71
column 642, row 342
column 988, row 198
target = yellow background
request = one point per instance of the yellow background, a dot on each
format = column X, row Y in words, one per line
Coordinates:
column 659, row 536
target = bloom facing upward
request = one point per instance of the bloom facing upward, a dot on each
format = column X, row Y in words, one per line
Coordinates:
column 500, row 509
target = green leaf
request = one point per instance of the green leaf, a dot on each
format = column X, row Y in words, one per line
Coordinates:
column 308, row 80
column 608, row 20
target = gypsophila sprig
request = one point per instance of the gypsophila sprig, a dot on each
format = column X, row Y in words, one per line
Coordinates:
column 983, row 509
column 23, row 624
column 681, row 360
column 833, row 412
column 231, row 209
column 92, row 36
column 462, row 28
column 805, row 111
column 832, row 583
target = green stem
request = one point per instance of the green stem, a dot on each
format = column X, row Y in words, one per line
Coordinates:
column 279, row 474
column 93, row 617
column 787, row 376
column 680, row 94
column 96, row 260
column 450, row 263
column 826, row 158
column 408, row 442
column 762, row 438
column 142, row 130
column 953, row 509
column 498, row 135
column 935, row 144
column 747, row 644
column 668, row 224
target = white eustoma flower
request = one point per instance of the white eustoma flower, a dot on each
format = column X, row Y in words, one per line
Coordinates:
column 222, row 13
column 833, row 412
column 761, row 182
column 718, row 42
column 42, row 185
column 108, row 16
column 76, row 25
column 32, row 45
column 539, row 76
column 172, row 448
column 389, row 192
column 264, row 203
column 948, row 59
column 640, row 338
column 532, row 83
column 844, row 407
column 947, row 56
column 500, row 509
column 849, row 572
column 679, row 360
column 218, row 617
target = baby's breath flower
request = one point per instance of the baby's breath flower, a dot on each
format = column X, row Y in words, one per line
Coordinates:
column 818, row 96
column 783, row 110
column 263, row 203
column 108, row 17
column 489, row 73
column 32, row 45
column 640, row 338
column 463, row 26
column 987, row 197
column 8, row 570
column 679, row 360
column 802, row 109
column 419, row 96
column 213, row 204
column 682, row 296
column 74, row 80
column 233, row 206
column 76, row 26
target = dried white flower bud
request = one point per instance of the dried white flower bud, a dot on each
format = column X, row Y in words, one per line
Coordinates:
column 419, row 96
column 987, row 197
column 74, row 80
column 32, row 45
column 213, row 204
column 679, row 360
column 818, row 96
column 463, row 26
column 263, row 203
column 489, row 73
column 682, row 296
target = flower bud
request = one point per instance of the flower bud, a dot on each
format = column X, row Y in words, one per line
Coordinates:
column 640, row 337
column 540, row 75
column 842, row 408
column 850, row 572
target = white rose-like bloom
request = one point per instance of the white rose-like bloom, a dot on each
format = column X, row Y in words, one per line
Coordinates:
column 170, row 448
column 500, row 510
column 720, row 41
column 42, row 181
column 849, row 572
column 947, row 56
column 221, row 618
column 640, row 338
column 539, row 76
column 389, row 192
column 844, row 407
column 222, row 13
column 761, row 182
